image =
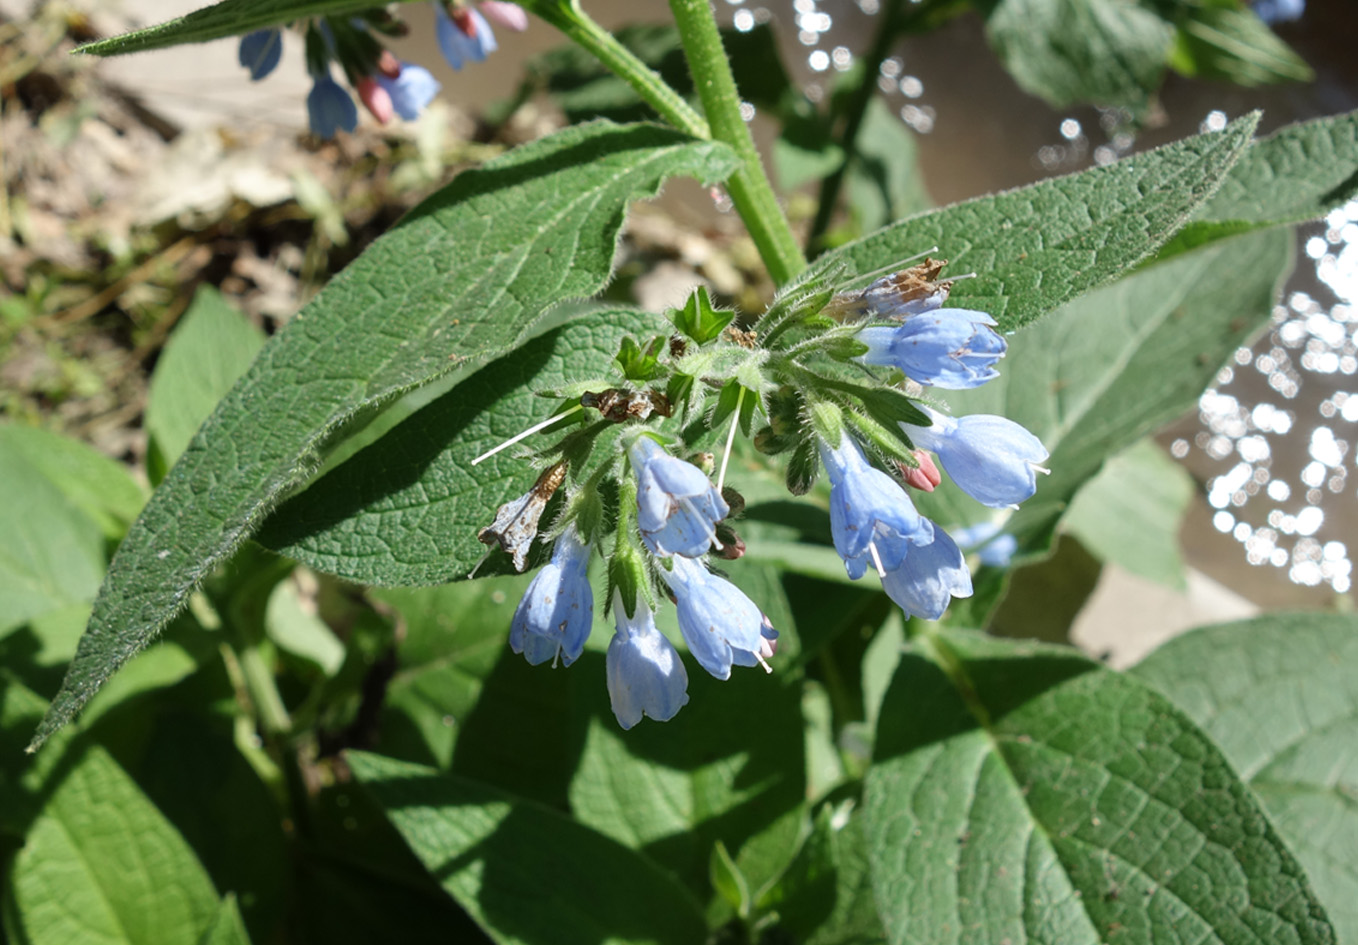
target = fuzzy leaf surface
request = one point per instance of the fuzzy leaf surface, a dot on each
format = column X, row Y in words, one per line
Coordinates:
column 1037, row 247
column 1107, row 369
column 1279, row 694
column 454, row 283
column 101, row 863
column 406, row 509
column 1044, row 798
column 228, row 18
column 515, row 866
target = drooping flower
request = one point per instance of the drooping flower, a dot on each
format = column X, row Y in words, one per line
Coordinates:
column 990, row 546
column 952, row 348
column 644, row 672
column 509, row 15
column 677, row 505
column 468, row 37
column 557, row 611
column 375, row 98
column 992, row 459
column 720, row 624
column 872, row 520
column 929, row 578
column 516, row 522
column 1279, row 11
column 411, row 90
column 260, row 52
column 329, row 107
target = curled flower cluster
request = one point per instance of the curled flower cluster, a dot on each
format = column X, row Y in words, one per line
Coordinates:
column 676, row 514
column 386, row 86
column 621, row 474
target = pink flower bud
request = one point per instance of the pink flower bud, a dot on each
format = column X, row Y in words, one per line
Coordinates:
column 375, row 99
column 509, row 15
column 389, row 65
column 923, row 477
column 463, row 20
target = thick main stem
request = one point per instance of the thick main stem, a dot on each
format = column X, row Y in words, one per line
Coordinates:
column 749, row 186
column 577, row 26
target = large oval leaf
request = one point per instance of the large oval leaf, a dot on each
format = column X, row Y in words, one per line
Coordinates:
column 1025, row 793
column 1280, row 695
column 454, row 283
column 1039, row 246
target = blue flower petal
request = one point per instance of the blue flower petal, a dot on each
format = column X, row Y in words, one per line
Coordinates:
column 411, row 91
column 330, row 108
column 715, row 617
column 677, row 505
column 929, row 578
column 951, row 348
column 645, row 675
column 260, row 52
column 557, row 612
column 869, row 512
column 992, row 459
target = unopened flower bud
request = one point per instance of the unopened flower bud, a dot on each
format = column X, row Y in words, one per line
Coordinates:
column 375, row 98
column 925, row 476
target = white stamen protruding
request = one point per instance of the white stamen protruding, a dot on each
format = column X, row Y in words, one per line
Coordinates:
column 693, row 510
column 477, row 567
column 894, row 267
column 1042, row 469
column 876, row 559
column 730, row 441
column 526, row 433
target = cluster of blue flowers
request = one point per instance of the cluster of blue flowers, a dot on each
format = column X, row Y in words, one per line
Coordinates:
column 992, row 459
column 670, row 517
column 676, row 512
column 386, row 86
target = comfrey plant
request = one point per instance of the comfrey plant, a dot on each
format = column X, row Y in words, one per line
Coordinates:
column 386, row 86
column 809, row 375
column 461, row 402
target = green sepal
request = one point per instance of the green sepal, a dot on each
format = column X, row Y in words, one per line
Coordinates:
column 828, row 422
column 626, row 566
column 803, row 467
column 638, row 363
column 887, row 438
column 843, row 347
column 889, row 407
column 680, row 393
column 732, row 394
column 698, row 319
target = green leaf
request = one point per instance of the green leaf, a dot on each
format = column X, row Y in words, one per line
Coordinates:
column 1040, row 246
column 883, row 182
column 1107, row 369
column 1042, row 797
column 1104, row 52
column 100, row 487
column 53, row 553
column 699, row 319
column 100, row 863
column 458, row 280
column 1130, row 513
column 1298, row 173
column 1279, row 694
column 516, row 867
column 1232, row 44
column 826, row 898
column 205, row 356
column 228, row 18
column 675, row 790
column 228, row 928
column 298, row 630
column 406, row 509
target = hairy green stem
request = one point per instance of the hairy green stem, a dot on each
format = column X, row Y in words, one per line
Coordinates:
column 749, row 186
column 567, row 17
